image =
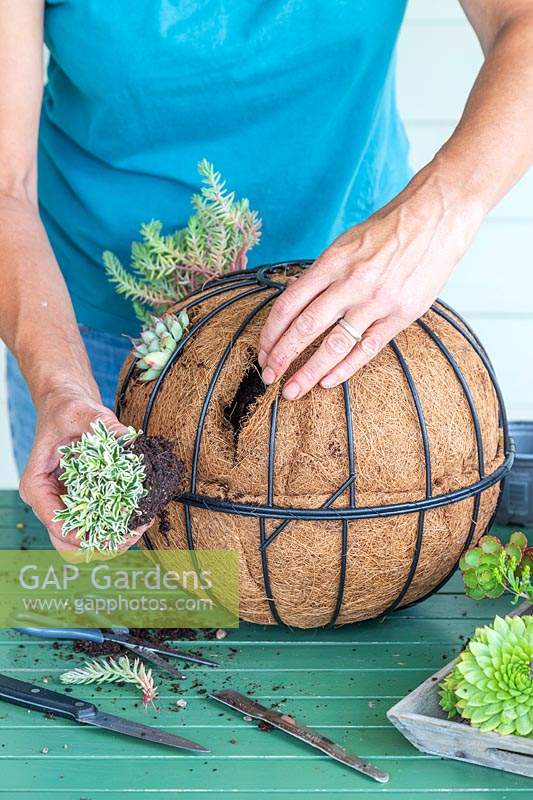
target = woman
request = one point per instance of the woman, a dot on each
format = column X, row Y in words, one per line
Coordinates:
column 293, row 100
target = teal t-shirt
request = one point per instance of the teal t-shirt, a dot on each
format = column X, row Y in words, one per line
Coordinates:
column 292, row 100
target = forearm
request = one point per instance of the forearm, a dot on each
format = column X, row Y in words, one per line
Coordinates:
column 492, row 146
column 37, row 321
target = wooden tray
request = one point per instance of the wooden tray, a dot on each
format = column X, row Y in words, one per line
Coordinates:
column 422, row 721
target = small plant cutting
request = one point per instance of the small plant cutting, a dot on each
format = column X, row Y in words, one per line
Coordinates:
column 159, row 339
column 109, row 670
column 491, row 685
column 167, row 267
column 114, row 484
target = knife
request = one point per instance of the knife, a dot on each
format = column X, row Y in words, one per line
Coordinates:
column 245, row 705
column 36, row 698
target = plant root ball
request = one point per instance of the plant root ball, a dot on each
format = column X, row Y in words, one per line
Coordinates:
column 311, row 461
column 163, row 476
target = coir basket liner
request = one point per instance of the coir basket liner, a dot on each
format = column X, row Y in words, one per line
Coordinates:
column 348, row 503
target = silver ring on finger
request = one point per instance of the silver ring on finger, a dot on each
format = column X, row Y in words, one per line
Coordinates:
column 350, row 330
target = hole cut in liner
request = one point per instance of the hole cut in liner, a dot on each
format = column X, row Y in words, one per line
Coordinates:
column 250, row 389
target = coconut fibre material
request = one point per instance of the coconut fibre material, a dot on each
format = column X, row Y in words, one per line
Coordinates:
column 312, row 460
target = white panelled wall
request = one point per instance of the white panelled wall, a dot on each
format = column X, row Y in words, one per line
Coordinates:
column 438, row 58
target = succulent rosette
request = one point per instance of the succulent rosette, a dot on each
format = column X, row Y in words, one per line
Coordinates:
column 157, row 342
column 485, row 567
column 491, row 686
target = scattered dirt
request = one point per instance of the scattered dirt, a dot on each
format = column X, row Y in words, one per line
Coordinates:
column 265, row 726
column 250, row 388
column 156, row 636
column 164, row 475
column 96, row 649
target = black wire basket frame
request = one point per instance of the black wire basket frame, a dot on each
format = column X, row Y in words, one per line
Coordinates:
column 261, row 282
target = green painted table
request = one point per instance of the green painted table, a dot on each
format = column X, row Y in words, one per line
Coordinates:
column 341, row 681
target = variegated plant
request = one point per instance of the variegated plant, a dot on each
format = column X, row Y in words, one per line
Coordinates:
column 104, row 483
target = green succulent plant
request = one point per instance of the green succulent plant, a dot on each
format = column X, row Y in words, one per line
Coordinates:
column 158, row 340
column 491, row 568
column 104, row 483
column 167, row 267
column 491, row 685
column 447, row 693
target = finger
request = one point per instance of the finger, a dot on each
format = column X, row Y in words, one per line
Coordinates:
column 111, row 422
column 314, row 319
column 291, row 302
column 135, row 536
column 374, row 340
column 41, row 490
column 44, row 502
column 67, row 543
column 336, row 346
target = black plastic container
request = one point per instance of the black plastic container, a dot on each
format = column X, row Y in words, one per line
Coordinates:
column 516, row 505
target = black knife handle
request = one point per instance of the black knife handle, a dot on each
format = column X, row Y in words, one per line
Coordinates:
column 37, row 698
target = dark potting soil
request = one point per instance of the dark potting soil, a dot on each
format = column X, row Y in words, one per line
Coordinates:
column 164, row 474
column 164, row 522
column 156, row 636
column 250, row 388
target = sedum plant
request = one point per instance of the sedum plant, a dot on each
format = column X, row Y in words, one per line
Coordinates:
column 491, row 685
column 491, row 568
column 158, row 340
column 104, row 482
column 167, row 267
column 110, row 671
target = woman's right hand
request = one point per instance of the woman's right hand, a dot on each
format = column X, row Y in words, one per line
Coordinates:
column 62, row 417
column 37, row 321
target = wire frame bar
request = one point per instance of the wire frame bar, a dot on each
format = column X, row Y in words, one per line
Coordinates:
column 263, row 539
column 475, row 343
column 360, row 512
column 324, row 507
column 467, row 333
column 427, row 468
column 207, row 400
column 350, row 447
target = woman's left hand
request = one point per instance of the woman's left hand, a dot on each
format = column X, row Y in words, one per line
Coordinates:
column 379, row 276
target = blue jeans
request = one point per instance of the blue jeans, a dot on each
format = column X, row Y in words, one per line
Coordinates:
column 106, row 353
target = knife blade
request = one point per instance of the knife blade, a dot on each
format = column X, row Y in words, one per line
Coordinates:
column 140, row 731
column 287, row 724
column 38, row 698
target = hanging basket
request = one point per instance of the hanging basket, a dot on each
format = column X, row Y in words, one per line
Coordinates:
column 344, row 505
